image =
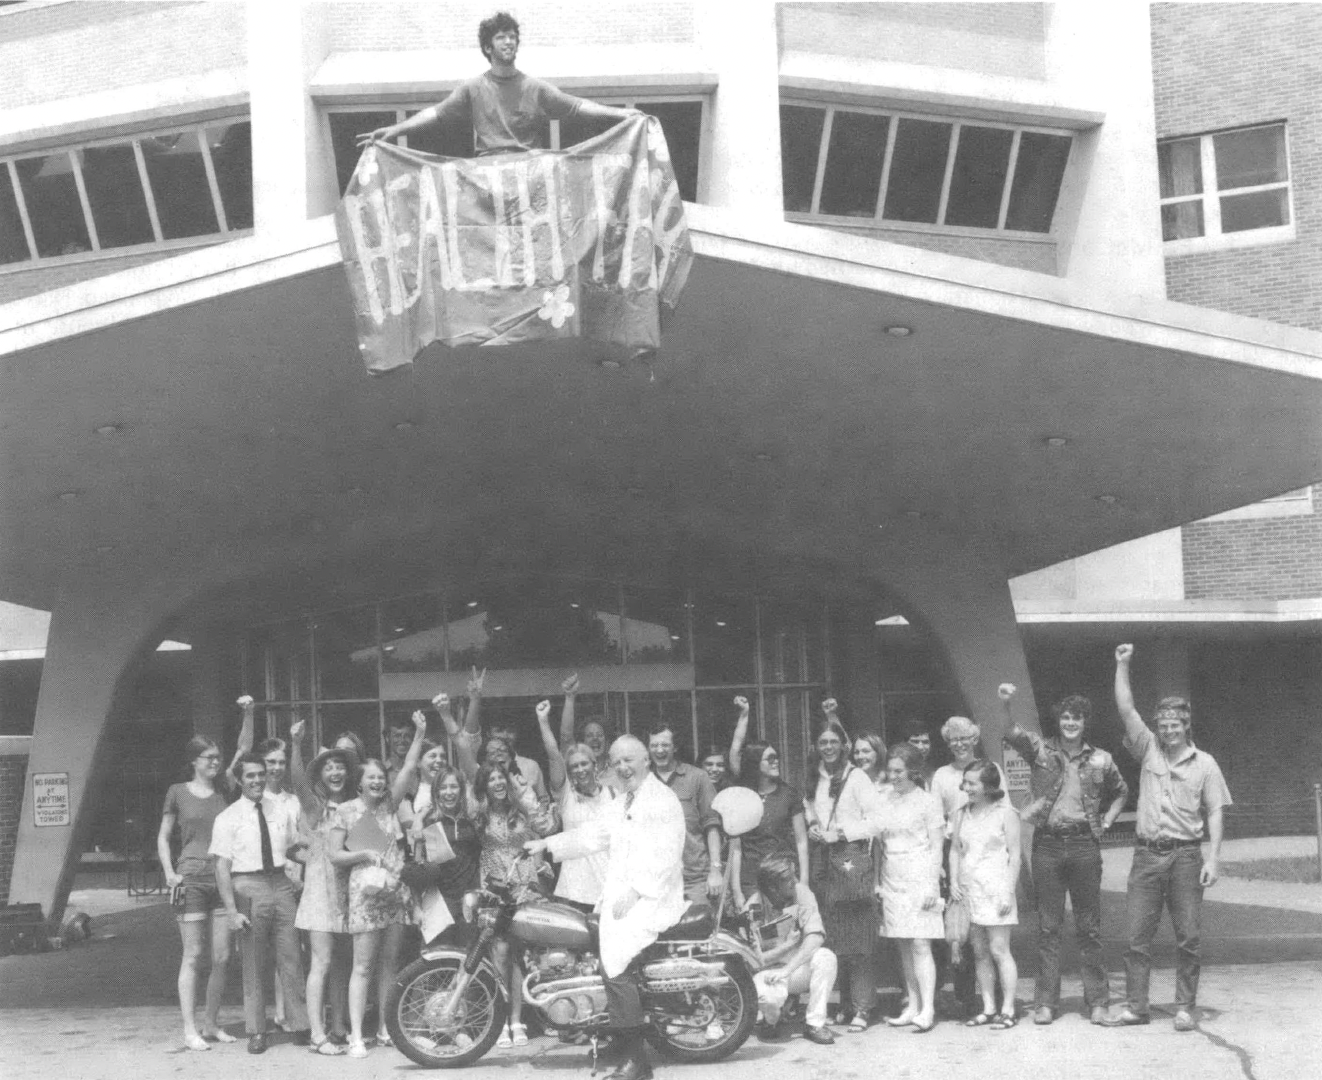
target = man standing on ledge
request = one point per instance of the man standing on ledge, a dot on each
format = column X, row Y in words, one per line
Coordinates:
column 643, row 830
column 1177, row 785
column 507, row 109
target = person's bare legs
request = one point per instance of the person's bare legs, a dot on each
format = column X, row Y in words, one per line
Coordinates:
column 387, row 964
column 341, row 964
column 323, row 945
column 222, row 941
column 986, row 975
column 998, row 939
column 504, row 964
column 191, row 935
column 365, row 947
column 924, row 971
column 905, row 946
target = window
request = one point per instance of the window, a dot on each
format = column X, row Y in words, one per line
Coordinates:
column 854, row 165
column 1225, row 189
column 127, row 193
column 682, row 118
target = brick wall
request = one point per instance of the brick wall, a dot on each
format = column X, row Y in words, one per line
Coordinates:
column 67, row 50
column 453, row 25
column 1253, row 559
column 1230, row 65
column 992, row 39
column 13, row 776
column 1025, row 256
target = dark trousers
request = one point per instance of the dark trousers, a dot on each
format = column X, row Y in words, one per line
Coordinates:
column 624, row 1002
column 1170, row 879
column 1070, row 865
column 268, row 901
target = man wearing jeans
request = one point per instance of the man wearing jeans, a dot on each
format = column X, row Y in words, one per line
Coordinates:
column 1177, row 786
column 1077, row 793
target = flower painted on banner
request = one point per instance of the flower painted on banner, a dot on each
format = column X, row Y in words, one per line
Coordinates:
column 367, row 167
column 556, row 307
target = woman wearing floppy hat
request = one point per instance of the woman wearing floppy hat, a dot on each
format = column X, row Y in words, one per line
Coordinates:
column 330, row 779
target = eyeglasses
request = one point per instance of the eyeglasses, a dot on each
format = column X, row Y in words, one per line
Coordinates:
column 210, row 757
column 962, row 742
column 771, row 759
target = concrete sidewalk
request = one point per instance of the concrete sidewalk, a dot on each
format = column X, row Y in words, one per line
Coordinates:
column 106, row 1009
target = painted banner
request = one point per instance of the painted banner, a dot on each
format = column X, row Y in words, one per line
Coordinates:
column 587, row 242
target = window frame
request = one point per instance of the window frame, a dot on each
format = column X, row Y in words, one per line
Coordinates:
column 1213, row 239
column 196, row 128
column 813, row 216
column 629, row 100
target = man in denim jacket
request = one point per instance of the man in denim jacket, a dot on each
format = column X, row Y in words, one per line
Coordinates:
column 1077, row 793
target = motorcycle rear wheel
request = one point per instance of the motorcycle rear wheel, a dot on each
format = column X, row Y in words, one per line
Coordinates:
column 733, row 1008
column 415, row 999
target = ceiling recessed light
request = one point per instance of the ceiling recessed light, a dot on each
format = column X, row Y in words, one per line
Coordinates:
column 404, row 425
column 1109, row 499
column 674, row 637
column 720, row 622
column 497, row 628
column 609, row 363
column 573, row 605
column 68, row 496
column 399, row 629
column 104, row 549
column 762, row 455
column 899, row 331
column 1056, row 441
column 387, row 648
column 109, row 429
column 472, row 603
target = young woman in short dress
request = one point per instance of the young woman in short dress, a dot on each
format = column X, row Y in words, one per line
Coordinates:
column 984, row 872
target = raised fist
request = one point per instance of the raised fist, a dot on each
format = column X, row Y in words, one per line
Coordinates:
column 1124, row 653
column 829, row 706
column 543, row 710
column 420, row 720
column 245, row 702
column 296, row 730
column 741, row 703
column 570, row 685
column 441, row 702
column 1005, row 691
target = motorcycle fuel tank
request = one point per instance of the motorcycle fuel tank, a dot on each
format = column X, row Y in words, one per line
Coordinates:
column 549, row 923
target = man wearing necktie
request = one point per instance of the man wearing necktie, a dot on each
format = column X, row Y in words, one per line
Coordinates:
column 249, row 840
column 643, row 831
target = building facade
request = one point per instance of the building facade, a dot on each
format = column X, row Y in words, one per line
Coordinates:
column 926, row 349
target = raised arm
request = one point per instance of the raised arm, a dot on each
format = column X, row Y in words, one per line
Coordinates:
column 740, row 735
column 245, row 741
column 298, row 774
column 555, row 760
column 1124, row 693
column 404, row 777
column 473, row 719
column 1025, row 742
column 570, row 687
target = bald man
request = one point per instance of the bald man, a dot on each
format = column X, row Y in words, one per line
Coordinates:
column 643, row 830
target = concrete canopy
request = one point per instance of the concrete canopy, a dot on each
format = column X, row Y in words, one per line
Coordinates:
column 783, row 422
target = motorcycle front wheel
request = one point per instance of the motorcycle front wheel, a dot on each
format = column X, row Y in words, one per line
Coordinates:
column 415, row 1007
column 711, row 1024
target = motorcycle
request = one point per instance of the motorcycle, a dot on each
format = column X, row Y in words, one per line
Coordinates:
column 447, row 1008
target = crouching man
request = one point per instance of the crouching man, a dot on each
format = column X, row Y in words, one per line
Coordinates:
column 800, row 962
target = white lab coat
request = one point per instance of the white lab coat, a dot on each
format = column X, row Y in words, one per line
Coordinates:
column 646, row 854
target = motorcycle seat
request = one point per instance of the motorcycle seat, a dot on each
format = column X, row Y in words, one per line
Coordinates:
column 696, row 922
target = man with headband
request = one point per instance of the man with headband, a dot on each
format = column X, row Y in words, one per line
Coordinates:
column 1178, row 784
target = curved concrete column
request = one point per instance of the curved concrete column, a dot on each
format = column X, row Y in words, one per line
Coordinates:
column 99, row 633
column 960, row 595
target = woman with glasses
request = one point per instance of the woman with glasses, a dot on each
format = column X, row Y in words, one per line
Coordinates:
column 194, row 806
column 783, row 829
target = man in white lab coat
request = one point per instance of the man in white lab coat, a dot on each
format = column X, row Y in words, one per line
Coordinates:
column 644, row 891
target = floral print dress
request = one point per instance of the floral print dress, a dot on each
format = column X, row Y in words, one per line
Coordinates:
column 376, row 911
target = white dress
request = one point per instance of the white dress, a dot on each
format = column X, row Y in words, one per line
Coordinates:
column 582, row 879
column 910, row 867
column 984, row 867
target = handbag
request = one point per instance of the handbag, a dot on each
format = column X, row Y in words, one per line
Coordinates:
column 849, row 872
column 376, row 880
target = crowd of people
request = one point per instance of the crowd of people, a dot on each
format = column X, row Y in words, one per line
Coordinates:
column 882, row 867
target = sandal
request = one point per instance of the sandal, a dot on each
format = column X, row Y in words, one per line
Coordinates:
column 357, row 1048
column 506, row 1040
column 859, row 1023
column 981, row 1020
column 1004, row 1021
column 383, row 1039
column 196, row 1042
column 518, row 1034
column 325, row 1048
